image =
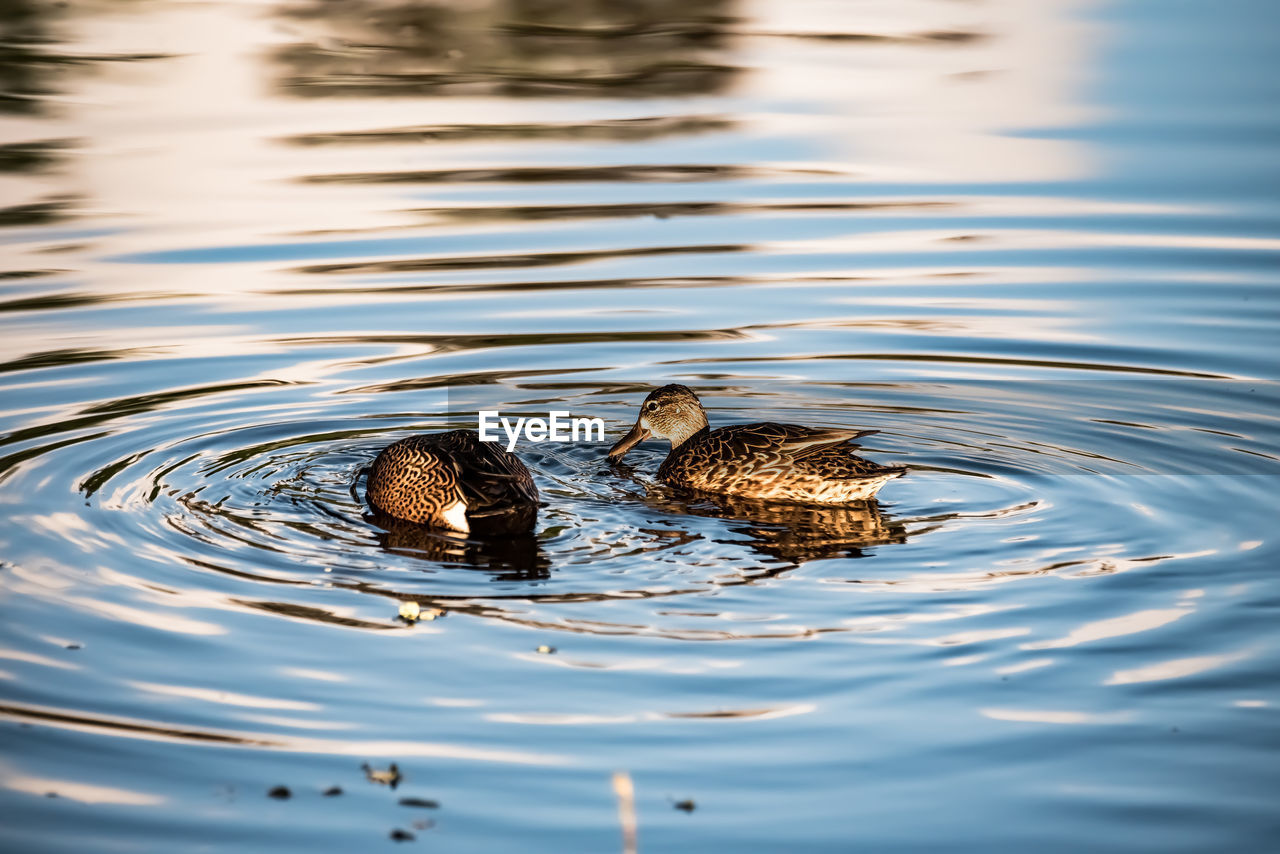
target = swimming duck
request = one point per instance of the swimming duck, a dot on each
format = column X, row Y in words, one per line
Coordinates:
column 779, row 462
column 451, row 480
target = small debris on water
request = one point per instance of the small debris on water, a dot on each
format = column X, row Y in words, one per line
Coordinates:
column 280, row 793
column 546, row 650
column 402, row 835
column 333, row 791
column 685, row 806
column 412, row 612
column 425, row 803
column 389, row 777
column 73, row 646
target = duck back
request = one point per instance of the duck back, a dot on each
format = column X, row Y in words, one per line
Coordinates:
column 781, row 462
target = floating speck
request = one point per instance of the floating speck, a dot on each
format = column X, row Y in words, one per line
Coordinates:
column 280, row 793
column 333, row 791
column 425, row 803
column 546, row 650
column 402, row 835
column 410, row 611
column 389, row 777
column 685, row 806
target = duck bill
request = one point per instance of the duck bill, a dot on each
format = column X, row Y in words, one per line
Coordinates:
column 637, row 435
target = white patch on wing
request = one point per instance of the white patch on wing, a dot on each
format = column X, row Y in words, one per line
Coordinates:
column 455, row 516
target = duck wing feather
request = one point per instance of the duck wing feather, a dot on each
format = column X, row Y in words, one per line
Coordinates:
column 491, row 478
column 825, row 453
column 791, row 440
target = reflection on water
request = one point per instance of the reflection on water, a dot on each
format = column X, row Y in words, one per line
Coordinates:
column 608, row 130
column 508, row 556
column 787, row 533
column 511, row 48
column 243, row 247
column 25, row 69
column 782, row 533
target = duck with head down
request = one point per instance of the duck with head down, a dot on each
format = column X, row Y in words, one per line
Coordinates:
column 765, row 460
column 453, row 481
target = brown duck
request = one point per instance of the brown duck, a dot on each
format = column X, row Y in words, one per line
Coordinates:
column 779, row 462
column 452, row 480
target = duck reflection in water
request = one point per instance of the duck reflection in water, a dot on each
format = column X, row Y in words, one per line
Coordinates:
column 782, row 531
column 510, row 551
column 790, row 533
column 797, row 534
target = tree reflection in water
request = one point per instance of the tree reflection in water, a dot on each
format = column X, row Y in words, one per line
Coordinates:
column 648, row 48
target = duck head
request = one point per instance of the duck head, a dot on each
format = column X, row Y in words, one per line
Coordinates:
column 671, row 412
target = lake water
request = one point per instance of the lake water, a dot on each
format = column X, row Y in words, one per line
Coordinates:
column 245, row 245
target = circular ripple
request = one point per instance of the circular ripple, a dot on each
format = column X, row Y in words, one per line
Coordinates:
column 280, row 502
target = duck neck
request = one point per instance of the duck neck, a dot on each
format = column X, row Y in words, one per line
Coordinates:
column 678, row 440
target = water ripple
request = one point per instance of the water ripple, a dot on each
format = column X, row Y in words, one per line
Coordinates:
column 238, row 265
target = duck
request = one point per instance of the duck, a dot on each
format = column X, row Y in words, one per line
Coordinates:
column 766, row 460
column 452, row 481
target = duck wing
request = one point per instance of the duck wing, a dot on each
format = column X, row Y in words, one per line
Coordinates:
column 812, row 440
column 491, row 478
column 825, row 453
column 787, row 440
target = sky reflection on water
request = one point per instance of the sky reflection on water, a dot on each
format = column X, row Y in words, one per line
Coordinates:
column 243, row 246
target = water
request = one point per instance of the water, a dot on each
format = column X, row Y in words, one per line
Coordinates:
column 246, row 245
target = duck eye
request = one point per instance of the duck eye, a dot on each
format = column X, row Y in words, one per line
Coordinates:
column 652, row 406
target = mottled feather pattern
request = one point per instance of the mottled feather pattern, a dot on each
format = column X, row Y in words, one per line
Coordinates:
column 493, row 479
column 765, row 460
column 423, row 478
column 784, row 462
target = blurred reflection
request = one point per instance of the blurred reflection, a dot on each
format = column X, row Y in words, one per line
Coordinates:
column 791, row 533
column 605, row 130
column 507, row 47
column 37, row 213
column 801, row 534
column 33, row 62
column 796, row 534
column 499, row 546
column 657, row 173
column 29, row 156
column 26, row 80
column 524, row 260
column 25, row 69
column 29, row 66
column 659, row 210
